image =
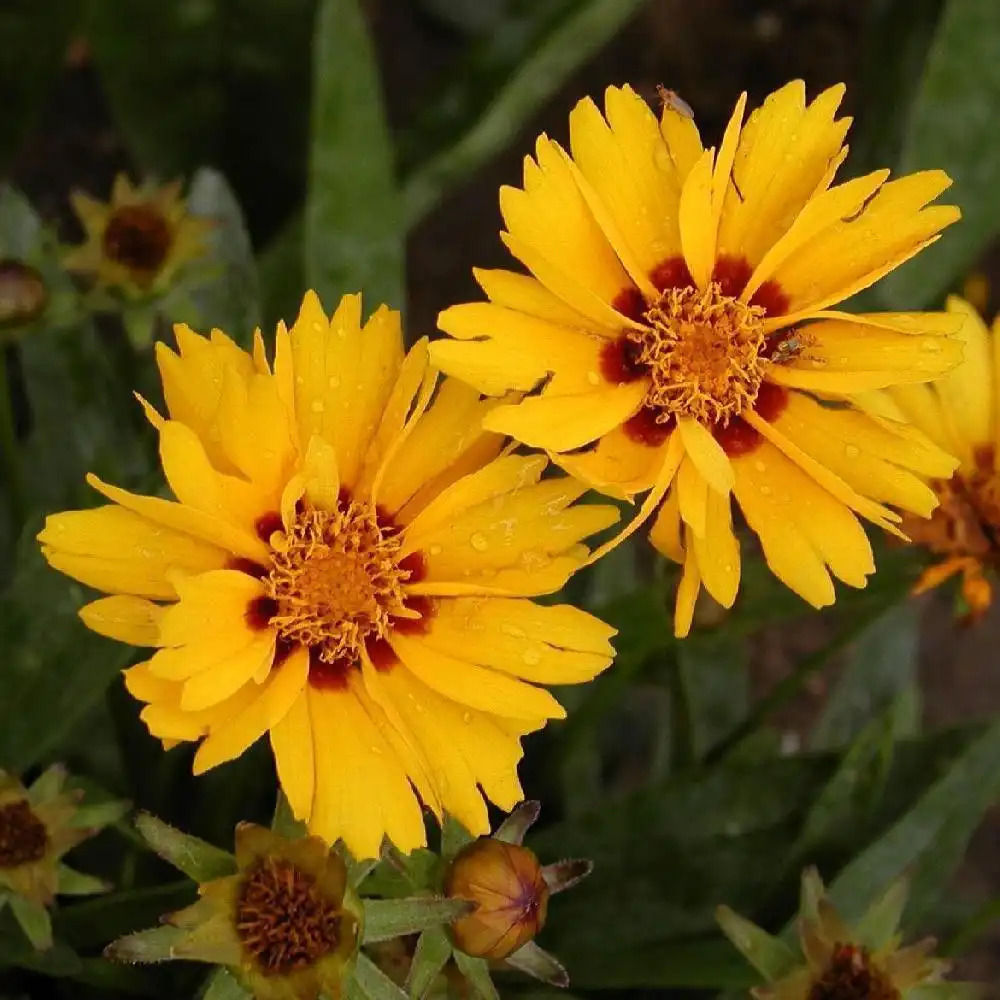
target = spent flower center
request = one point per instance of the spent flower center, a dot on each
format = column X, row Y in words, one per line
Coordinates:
column 703, row 352
column 850, row 975
column 283, row 920
column 138, row 237
column 336, row 580
column 23, row 838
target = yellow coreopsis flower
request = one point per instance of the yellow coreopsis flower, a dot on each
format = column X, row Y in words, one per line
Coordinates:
column 345, row 567
column 139, row 241
column 961, row 412
column 676, row 332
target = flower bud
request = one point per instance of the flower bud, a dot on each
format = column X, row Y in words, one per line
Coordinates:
column 23, row 295
column 507, row 884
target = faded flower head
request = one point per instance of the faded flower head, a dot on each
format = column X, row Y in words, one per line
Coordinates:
column 139, row 241
column 961, row 413
column 23, row 295
column 676, row 333
column 840, row 962
column 511, row 890
column 286, row 923
column 38, row 825
column 348, row 569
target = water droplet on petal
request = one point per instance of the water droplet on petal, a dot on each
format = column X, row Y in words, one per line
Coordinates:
column 479, row 542
column 593, row 378
column 317, row 406
column 435, row 550
column 467, row 718
column 765, row 491
column 514, row 631
column 375, row 750
column 852, row 451
column 760, row 466
column 531, row 656
column 333, row 382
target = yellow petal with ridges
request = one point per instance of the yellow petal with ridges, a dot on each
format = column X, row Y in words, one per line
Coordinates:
column 472, row 685
column 125, row 618
column 120, row 552
column 292, row 745
column 717, row 552
column 525, row 294
column 706, row 454
column 616, row 465
column 687, row 595
column 209, row 687
column 562, row 423
column 697, row 234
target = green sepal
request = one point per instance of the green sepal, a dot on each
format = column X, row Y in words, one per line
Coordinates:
column 370, row 982
column 284, row 823
column 99, row 815
column 221, row 985
column 47, row 785
column 811, row 892
column 769, row 955
column 34, row 920
column 454, row 837
column 539, row 964
column 386, row 919
column 878, row 926
column 517, row 824
column 198, row 859
column 74, row 883
column 154, row 945
column 477, row 973
column 430, row 957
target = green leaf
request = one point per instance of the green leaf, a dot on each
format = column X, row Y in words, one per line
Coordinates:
column 429, row 958
column 39, row 34
column 503, row 83
column 769, row 955
column 95, row 921
column 848, row 801
column 454, row 837
column 477, row 972
column 41, row 638
column 154, row 945
column 222, row 287
column 897, row 36
column 713, row 671
column 201, row 82
column 929, row 840
column 223, row 986
column 34, row 920
column 877, row 927
column 373, row 983
column 953, row 127
column 284, row 822
column 74, row 883
column 539, row 964
column 881, row 666
column 199, row 860
column 391, row 918
column 353, row 239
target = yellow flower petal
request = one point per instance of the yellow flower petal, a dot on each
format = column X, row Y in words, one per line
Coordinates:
column 616, row 465
column 528, row 295
column 697, row 235
column 472, row 685
column 121, row 552
column 707, row 455
column 717, row 552
column 225, row 678
column 562, row 423
column 125, row 618
column 270, row 704
column 626, row 162
column 687, row 596
column 292, row 744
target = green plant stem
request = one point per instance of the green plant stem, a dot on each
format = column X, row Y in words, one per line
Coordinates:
column 682, row 745
column 9, row 462
column 787, row 688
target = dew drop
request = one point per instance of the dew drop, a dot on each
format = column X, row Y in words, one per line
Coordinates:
column 467, row 718
column 479, row 542
column 593, row 378
column 318, row 327
column 435, row 550
column 930, row 346
column 333, row 382
column 852, row 451
column 532, row 657
column 317, row 406
column 376, row 750
column 514, row 631
column 766, row 491
column 760, row 466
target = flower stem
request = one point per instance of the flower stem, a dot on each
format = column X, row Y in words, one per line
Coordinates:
column 9, row 462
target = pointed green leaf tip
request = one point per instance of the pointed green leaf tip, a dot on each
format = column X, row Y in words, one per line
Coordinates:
column 517, row 824
column 770, row 956
column 477, row 972
column 430, row 957
column 198, row 859
column 391, row 918
column 878, row 926
column 539, row 964
column 34, row 920
column 158, row 944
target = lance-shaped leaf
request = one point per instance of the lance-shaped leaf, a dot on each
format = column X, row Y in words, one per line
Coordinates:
column 477, row 972
column 34, row 920
column 391, row 918
column 429, row 958
column 517, row 824
column 563, row 875
column 370, row 982
column 454, row 837
column 157, row 944
column 769, row 955
column 198, row 859
column 74, row 883
column 539, row 964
